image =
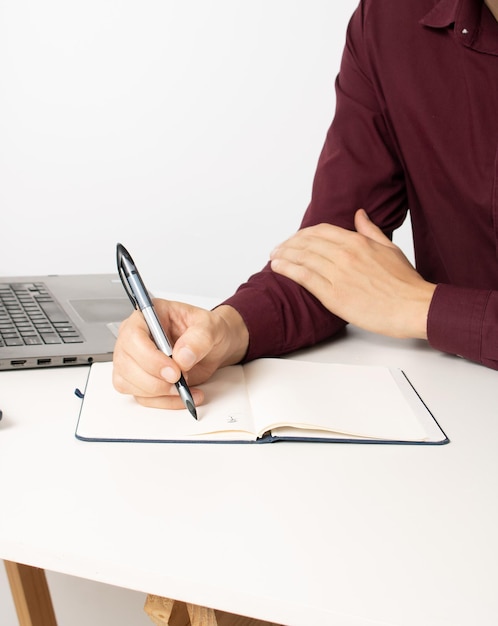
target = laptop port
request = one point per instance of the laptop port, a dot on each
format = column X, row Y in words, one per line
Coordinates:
column 69, row 359
column 44, row 361
column 18, row 362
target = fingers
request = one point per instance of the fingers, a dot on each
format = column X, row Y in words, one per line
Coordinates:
column 213, row 338
column 364, row 226
column 202, row 342
column 141, row 370
column 311, row 256
column 196, row 342
column 172, row 401
column 191, row 331
column 361, row 276
column 317, row 251
column 135, row 350
column 318, row 237
column 305, row 261
column 311, row 249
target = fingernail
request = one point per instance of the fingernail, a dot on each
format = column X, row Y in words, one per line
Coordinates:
column 169, row 374
column 186, row 358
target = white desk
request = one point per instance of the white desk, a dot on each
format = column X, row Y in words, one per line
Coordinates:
column 302, row 534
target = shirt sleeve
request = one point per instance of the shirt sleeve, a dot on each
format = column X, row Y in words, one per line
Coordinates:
column 357, row 168
column 464, row 321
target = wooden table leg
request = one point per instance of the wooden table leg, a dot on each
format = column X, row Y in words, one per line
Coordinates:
column 31, row 595
column 166, row 612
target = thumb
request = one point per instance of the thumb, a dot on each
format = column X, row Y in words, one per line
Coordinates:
column 366, row 227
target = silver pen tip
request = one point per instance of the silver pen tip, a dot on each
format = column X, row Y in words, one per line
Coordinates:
column 191, row 409
column 186, row 397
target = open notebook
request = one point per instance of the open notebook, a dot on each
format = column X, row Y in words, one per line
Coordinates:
column 270, row 400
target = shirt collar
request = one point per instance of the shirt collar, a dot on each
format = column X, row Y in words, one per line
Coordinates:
column 474, row 24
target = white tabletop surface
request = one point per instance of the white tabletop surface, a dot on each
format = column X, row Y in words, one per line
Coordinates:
column 300, row 534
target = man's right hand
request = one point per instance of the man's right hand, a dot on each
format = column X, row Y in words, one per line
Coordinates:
column 202, row 340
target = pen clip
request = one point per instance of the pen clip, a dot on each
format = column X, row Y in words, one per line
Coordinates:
column 123, row 258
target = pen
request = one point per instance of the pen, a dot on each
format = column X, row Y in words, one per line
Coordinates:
column 140, row 299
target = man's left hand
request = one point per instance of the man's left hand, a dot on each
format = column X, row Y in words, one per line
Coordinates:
column 361, row 276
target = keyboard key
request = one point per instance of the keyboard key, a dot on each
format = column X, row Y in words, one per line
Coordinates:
column 29, row 315
column 14, row 342
column 77, row 339
column 54, row 312
column 32, row 341
column 51, row 338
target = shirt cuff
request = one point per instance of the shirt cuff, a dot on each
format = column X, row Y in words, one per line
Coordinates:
column 262, row 321
column 455, row 320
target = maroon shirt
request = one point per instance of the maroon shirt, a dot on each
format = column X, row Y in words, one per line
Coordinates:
column 416, row 128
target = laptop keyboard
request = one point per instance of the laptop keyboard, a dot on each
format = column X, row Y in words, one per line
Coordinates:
column 29, row 315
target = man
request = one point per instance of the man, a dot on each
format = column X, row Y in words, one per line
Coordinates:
column 416, row 128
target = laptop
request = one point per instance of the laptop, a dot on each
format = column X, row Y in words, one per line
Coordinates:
column 63, row 320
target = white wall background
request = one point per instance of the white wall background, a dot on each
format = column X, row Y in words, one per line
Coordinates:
column 187, row 130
